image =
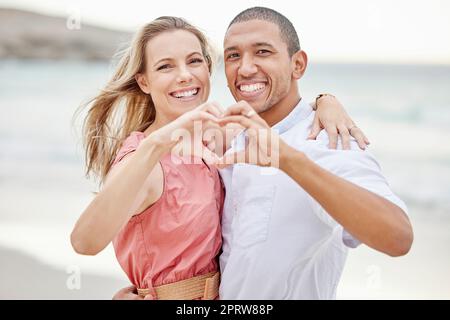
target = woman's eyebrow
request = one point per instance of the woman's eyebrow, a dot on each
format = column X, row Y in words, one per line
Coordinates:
column 161, row 60
column 169, row 59
column 193, row 53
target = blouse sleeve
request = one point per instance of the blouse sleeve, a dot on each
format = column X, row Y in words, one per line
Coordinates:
column 129, row 145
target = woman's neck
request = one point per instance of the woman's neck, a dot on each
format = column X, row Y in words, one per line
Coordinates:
column 159, row 122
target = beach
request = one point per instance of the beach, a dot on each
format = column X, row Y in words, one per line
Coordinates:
column 25, row 277
column 404, row 110
column 37, row 261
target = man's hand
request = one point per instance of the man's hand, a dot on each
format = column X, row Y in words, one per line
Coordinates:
column 262, row 143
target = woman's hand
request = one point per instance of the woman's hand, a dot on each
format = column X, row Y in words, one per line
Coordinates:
column 135, row 182
column 128, row 293
column 186, row 136
column 332, row 117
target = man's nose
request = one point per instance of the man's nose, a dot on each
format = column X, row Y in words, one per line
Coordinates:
column 247, row 67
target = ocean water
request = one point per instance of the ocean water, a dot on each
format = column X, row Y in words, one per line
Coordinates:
column 404, row 110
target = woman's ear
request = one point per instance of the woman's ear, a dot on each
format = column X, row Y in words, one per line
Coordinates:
column 299, row 61
column 142, row 82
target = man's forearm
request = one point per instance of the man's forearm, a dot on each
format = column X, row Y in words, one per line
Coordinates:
column 370, row 218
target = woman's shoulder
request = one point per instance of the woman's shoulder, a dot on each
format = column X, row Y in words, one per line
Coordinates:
column 130, row 144
column 134, row 138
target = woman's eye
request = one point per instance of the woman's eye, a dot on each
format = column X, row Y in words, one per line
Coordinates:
column 165, row 66
column 197, row 60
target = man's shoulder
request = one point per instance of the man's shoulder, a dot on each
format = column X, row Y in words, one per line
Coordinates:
column 323, row 140
column 298, row 137
column 318, row 150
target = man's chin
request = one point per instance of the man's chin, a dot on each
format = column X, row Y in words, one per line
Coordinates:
column 253, row 103
column 259, row 107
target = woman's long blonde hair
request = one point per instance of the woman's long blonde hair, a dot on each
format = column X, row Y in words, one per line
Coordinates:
column 122, row 107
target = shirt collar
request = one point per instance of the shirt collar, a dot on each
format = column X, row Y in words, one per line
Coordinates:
column 299, row 113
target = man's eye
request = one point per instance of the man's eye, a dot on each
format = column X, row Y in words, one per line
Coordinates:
column 263, row 51
column 233, row 56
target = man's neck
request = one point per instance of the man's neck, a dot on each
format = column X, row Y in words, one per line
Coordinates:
column 281, row 110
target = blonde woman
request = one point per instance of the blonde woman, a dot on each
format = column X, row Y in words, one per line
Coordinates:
column 163, row 216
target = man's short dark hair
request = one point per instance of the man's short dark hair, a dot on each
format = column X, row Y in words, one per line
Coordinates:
column 287, row 30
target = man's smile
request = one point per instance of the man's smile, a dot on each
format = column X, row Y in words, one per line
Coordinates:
column 251, row 89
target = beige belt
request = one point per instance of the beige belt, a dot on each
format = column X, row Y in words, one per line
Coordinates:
column 205, row 287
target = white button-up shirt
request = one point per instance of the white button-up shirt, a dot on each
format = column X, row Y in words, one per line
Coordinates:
column 278, row 242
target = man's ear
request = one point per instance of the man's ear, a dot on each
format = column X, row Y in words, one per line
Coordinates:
column 142, row 83
column 299, row 61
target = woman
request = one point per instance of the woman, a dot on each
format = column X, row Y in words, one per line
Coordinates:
column 162, row 215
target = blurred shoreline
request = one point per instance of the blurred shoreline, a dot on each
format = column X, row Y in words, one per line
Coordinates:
column 29, row 35
column 24, row 277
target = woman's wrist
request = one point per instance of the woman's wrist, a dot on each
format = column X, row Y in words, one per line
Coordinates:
column 156, row 143
column 321, row 97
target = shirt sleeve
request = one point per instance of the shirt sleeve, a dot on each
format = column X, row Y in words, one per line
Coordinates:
column 357, row 166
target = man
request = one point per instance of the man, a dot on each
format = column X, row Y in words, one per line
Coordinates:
column 286, row 230
column 286, row 234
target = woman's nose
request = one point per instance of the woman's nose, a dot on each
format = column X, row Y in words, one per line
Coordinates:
column 184, row 75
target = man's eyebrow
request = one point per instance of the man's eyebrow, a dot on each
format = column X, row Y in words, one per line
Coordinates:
column 257, row 44
column 263, row 44
column 230, row 48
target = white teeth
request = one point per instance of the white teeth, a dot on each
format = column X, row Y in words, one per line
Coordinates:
column 252, row 87
column 182, row 94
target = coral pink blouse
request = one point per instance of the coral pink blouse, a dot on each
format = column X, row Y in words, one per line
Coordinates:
column 179, row 236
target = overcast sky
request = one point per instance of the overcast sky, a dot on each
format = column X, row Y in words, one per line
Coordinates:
column 381, row 31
